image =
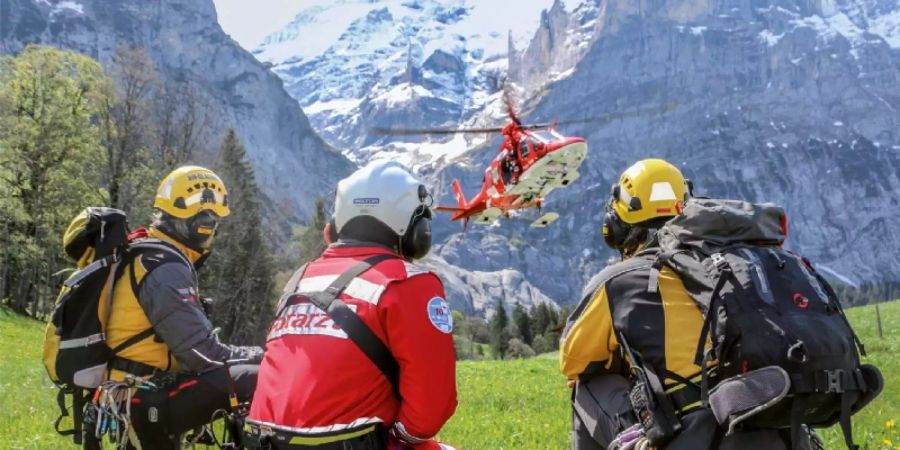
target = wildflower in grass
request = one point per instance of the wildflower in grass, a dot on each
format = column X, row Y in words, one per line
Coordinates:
column 889, row 424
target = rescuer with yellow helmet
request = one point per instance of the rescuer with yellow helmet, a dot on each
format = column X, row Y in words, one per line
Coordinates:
column 157, row 320
column 619, row 318
column 648, row 193
column 189, row 202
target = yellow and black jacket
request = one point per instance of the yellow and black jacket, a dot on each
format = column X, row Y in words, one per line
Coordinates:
column 661, row 325
column 159, row 290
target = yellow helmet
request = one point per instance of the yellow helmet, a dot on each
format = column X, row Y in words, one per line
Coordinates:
column 189, row 190
column 649, row 189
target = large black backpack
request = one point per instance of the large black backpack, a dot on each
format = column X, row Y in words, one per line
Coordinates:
column 786, row 353
column 76, row 354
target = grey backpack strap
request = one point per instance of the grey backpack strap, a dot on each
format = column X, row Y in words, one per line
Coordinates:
column 290, row 289
column 294, row 282
column 356, row 329
column 344, row 317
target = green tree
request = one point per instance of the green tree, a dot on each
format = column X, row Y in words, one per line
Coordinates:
column 500, row 331
column 50, row 162
column 308, row 240
column 518, row 349
column 545, row 343
column 129, row 134
column 541, row 319
column 241, row 270
column 522, row 321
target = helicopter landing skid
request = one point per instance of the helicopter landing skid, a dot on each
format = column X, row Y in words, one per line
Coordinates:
column 488, row 216
column 545, row 220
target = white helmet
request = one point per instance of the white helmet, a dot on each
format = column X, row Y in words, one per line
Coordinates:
column 387, row 192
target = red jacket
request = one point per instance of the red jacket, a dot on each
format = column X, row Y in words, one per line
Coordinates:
column 314, row 379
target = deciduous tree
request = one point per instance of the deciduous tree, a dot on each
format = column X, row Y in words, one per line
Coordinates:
column 50, row 161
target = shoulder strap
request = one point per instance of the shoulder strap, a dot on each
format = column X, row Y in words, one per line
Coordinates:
column 133, row 251
column 356, row 329
column 290, row 289
column 156, row 244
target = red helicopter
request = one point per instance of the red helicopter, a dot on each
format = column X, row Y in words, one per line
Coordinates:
column 533, row 160
column 528, row 166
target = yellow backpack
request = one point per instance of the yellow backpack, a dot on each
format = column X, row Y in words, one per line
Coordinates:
column 76, row 354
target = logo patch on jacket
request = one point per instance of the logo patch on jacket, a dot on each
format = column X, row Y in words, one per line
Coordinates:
column 190, row 294
column 305, row 318
column 439, row 315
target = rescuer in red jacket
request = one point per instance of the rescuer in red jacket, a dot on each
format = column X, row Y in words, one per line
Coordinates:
column 316, row 387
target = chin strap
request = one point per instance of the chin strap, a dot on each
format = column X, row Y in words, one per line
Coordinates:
column 198, row 264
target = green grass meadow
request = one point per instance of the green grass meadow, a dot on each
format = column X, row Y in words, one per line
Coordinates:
column 520, row 404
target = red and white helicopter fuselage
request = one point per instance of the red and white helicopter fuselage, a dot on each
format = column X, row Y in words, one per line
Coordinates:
column 528, row 166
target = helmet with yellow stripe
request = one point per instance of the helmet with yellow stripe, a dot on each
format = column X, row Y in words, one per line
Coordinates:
column 188, row 190
column 191, row 200
column 650, row 191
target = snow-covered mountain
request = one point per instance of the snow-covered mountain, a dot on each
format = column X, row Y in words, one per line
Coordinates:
column 355, row 65
column 359, row 65
column 792, row 101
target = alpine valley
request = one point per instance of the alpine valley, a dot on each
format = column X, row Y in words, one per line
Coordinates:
column 789, row 101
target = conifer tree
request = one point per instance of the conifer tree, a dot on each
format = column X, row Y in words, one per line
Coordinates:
column 541, row 319
column 500, row 331
column 522, row 320
column 241, row 269
column 309, row 241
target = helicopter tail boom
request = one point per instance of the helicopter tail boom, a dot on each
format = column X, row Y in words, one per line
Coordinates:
column 460, row 202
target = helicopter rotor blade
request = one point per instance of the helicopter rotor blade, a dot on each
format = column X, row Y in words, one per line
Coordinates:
column 599, row 120
column 510, row 105
column 417, row 131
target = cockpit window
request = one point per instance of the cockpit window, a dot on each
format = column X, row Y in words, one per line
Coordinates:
column 523, row 148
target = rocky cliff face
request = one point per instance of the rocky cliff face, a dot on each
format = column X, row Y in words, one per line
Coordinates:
column 293, row 165
column 791, row 101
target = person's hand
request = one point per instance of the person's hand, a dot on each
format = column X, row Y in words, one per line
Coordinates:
column 570, row 384
column 207, row 304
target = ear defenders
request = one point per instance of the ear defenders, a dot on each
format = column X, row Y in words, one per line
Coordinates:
column 416, row 242
column 615, row 231
column 413, row 244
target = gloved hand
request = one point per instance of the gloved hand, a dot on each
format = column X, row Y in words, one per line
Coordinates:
column 207, row 304
column 631, row 439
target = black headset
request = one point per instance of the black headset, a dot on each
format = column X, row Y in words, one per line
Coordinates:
column 416, row 241
column 615, row 231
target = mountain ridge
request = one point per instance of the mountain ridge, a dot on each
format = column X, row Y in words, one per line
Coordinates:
column 777, row 100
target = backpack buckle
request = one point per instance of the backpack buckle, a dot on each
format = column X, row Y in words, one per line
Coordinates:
column 719, row 261
column 834, row 382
